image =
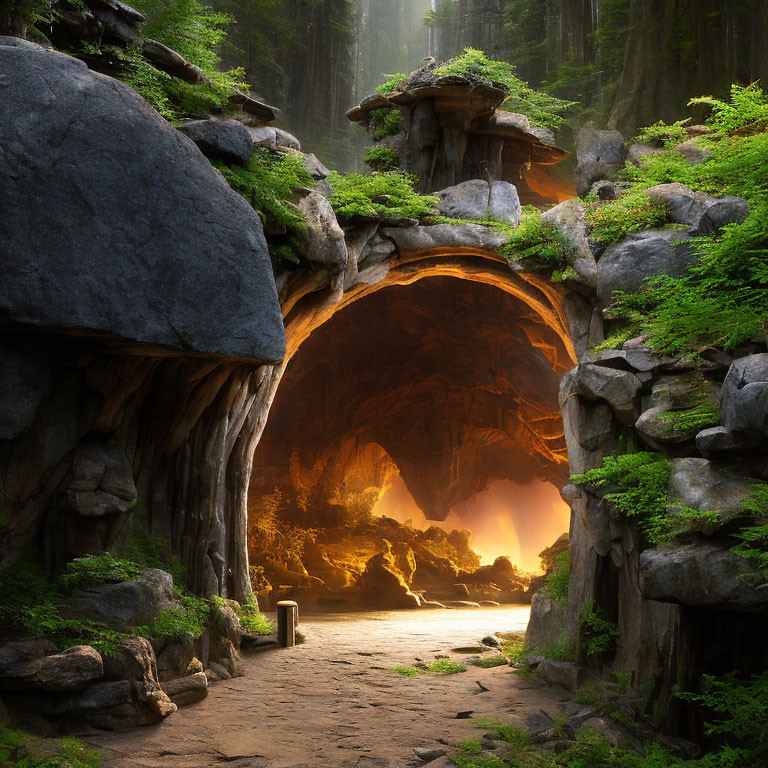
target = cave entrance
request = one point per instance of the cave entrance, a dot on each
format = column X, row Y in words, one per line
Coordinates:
column 413, row 453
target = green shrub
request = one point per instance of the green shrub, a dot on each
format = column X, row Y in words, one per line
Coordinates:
column 753, row 537
column 736, row 719
column 641, row 480
column 445, row 667
column 390, row 86
column 71, row 753
column 381, row 195
column 539, row 246
column 615, row 219
column 405, row 670
column 616, row 339
column 662, row 135
column 268, row 183
column 598, row 634
column 380, row 158
column 721, row 300
column 385, row 121
column 556, row 588
column 252, row 620
column 84, row 572
column 539, row 107
column 692, row 420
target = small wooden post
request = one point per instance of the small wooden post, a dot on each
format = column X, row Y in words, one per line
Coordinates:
column 287, row 619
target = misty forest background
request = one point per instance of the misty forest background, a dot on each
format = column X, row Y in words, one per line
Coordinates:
column 627, row 62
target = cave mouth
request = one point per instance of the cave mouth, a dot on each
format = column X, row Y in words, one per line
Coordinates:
column 412, row 454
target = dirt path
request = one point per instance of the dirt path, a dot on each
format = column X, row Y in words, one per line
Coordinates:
column 334, row 702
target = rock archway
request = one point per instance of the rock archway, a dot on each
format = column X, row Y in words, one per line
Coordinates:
column 434, row 369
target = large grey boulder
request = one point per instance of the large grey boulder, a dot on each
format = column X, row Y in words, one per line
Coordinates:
column 692, row 151
column 321, row 241
column 27, row 669
column 644, row 254
column 468, row 200
column 505, row 202
column 115, row 225
column 547, row 619
column 705, row 214
column 744, row 406
column 445, row 236
column 703, row 575
column 187, row 690
column 571, row 218
column 224, row 139
column 637, row 152
column 598, row 153
column 566, row 674
column 123, row 605
column 618, row 388
column 706, row 486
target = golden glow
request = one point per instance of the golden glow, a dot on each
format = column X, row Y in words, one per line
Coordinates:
column 506, row 519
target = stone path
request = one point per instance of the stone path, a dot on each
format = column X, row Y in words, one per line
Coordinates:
column 334, row 702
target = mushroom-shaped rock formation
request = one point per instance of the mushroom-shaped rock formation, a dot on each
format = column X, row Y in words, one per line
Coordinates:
column 453, row 131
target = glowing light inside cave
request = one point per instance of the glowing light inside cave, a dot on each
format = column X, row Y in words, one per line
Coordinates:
column 506, row 519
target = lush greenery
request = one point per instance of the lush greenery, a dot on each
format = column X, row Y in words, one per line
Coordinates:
column 446, row 667
column 691, row 420
column 380, row 158
column 70, row 754
column 736, row 728
column 389, row 195
column 540, row 108
column 268, row 183
column 662, row 135
column 556, row 587
column 722, row 300
column 384, row 122
column 252, row 620
column 613, row 220
column 538, row 245
column 598, row 634
column 30, row 601
column 753, row 536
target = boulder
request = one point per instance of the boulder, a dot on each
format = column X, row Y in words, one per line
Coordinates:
column 703, row 485
column 444, row 236
column 570, row 217
column 382, row 583
column 187, row 690
column 705, row 214
column 637, row 152
column 468, row 200
column 505, row 202
column 627, row 264
column 566, row 674
column 140, row 669
column 618, row 388
column 121, row 168
column 321, row 241
column 262, row 136
column 692, row 151
column 727, row 210
column 123, row 605
column 227, row 140
column 716, row 440
column 108, row 705
column 285, row 139
column 23, row 668
column 702, row 575
column 315, row 168
column 598, row 153
column 547, row 619
column 744, row 405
